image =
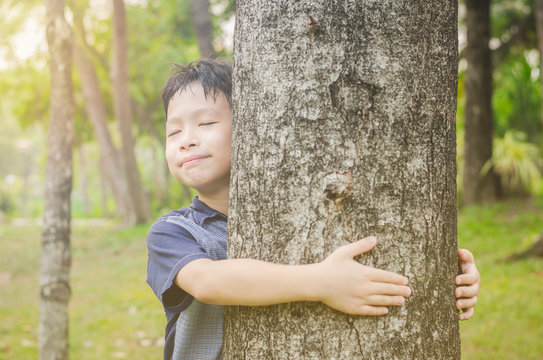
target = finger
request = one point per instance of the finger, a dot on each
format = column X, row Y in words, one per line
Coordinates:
column 358, row 247
column 389, row 289
column 467, row 291
column 373, row 310
column 466, row 303
column 384, row 276
column 469, row 278
column 465, row 256
column 385, row 300
column 466, row 315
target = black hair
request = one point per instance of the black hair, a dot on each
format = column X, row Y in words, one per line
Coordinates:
column 214, row 76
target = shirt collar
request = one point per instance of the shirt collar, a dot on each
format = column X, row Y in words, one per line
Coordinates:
column 202, row 212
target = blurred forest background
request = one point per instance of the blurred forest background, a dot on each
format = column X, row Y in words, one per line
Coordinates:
column 112, row 312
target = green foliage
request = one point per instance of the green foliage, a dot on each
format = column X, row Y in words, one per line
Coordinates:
column 27, row 91
column 517, row 97
column 517, row 162
column 13, row 15
column 506, row 15
column 169, row 39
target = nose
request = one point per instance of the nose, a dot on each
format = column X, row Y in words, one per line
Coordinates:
column 188, row 139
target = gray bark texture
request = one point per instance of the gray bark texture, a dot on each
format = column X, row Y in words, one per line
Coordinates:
column 123, row 113
column 344, row 127
column 202, row 25
column 55, row 237
column 478, row 125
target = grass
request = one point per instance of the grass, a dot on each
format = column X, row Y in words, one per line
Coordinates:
column 509, row 315
column 114, row 315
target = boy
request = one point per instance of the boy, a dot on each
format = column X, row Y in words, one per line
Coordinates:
column 188, row 269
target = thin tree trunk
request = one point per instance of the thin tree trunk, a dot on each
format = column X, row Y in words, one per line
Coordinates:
column 202, row 26
column 55, row 238
column 104, row 183
column 344, row 127
column 83, row 178
column 478, row 108
column 537, row 248
column 28, row 168
column 538, row 12
column 96, row 109
column 123, row 113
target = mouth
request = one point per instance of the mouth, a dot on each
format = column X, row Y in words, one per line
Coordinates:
column 192, row 160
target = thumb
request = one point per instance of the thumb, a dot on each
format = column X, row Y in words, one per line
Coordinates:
column 358, row 247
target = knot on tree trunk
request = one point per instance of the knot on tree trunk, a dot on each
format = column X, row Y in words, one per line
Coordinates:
column 337, row 187
column 58, row 291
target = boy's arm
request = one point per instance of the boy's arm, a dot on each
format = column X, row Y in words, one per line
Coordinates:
column 339, row 281
column 468, row 283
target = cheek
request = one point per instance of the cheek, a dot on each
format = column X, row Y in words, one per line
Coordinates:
column 170, row 156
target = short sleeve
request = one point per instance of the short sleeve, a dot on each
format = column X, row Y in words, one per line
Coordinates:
column 170, row 247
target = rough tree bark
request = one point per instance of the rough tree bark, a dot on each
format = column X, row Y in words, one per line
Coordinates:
column 202, row 25
column 344, row 127
column 123, row 113
column 55, row 237
column 478, row 107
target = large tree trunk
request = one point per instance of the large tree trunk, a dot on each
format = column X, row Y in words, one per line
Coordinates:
column 123, row 113
column 55, row 238
column 478, row 107
column 202, row 25
column 344, row 126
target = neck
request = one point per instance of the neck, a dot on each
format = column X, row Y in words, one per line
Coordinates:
column 217, row 201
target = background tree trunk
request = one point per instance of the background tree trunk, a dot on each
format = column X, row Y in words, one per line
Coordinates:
column 538, row 14
column 478, row 108
column 537, row 248
column 344, row 127
column 202, row 25
column 123, row 113
column 83, row 178
column 96, row 110
column 55, row 238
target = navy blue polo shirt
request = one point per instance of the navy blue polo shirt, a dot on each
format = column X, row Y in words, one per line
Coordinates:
column 193, row 329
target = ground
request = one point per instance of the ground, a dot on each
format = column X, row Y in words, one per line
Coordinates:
column 114, row 314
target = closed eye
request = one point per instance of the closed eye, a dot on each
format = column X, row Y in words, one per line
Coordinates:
column 174, row 133
column 208, row 123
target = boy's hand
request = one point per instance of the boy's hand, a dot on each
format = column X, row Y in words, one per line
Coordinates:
column 353, row 288
column 468, row 284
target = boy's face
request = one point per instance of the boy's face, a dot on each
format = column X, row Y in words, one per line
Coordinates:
column 198, row 139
